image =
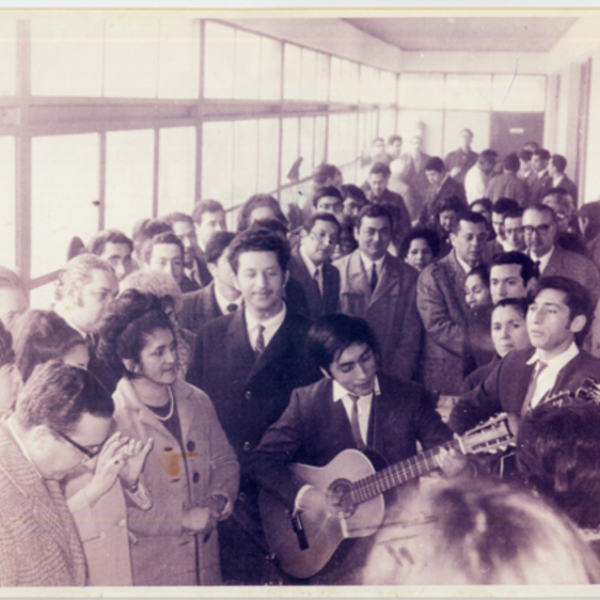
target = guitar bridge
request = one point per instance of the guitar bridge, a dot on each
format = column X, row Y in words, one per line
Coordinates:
column 298, row 528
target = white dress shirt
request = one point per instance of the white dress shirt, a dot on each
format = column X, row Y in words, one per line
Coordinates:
column 223, row 303
column 466, row 267
column 544, row 260
column 368, row 265
column 313, row 269
column 476, row 183
column 271, row 326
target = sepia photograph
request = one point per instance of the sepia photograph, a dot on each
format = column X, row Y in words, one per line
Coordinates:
column 299, row 303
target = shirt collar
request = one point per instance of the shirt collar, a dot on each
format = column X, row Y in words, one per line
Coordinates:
column 224, row 303
column 310, row 265
column 466, row 267
column 272, row 322
column 340, row 392
column 559, row 361
column 58, row 309
column 544, row 260
column 368, row 263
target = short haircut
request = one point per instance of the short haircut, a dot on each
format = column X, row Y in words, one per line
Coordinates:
column 57, row 396
column 331, row 335
column 373, row 211
column 542, row 208
column 321, row 216
column 513, row 213
column 488, row 155
column 519, row 304
column 435, row 163
column 107, row 236
column 530, row 144
column 467, row 130
column 503, row 205
column 146, row 229
column 454, row 203
column 380, row 168
column 525, row 155
column 204, row 206
column 542, row 153
column 217, row 244
column 77, row 273
column 354, row 192
column 377, row 139
column 178, row 217
column 559, row 162
column 266, row 226
column 511, row 163
column 394, row 138
column 421, row 233
column 324, row 172
column 162, row 238
column 577, row 298
column 591, row 212
column 528, row 267
column 469, row 217
column 157, row 283
column 561, row 196
column 7, row 354
column 9, row 279
column 486, row 203
column 327, row 192
column 257, row 201
column 482, row 272
column 250, row 241
column 40, row 336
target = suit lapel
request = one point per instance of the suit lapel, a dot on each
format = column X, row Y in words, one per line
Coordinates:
column 554, row 265
column 388, row 278
column 358, row 282
column 209, row 301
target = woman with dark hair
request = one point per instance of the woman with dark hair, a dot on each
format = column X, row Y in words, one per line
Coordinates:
column 257, row 208
column 420, row 248
column 192, row 473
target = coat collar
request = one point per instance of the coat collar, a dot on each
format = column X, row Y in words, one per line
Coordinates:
column 358, row 281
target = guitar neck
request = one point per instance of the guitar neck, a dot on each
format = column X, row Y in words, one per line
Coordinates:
column 397, row 474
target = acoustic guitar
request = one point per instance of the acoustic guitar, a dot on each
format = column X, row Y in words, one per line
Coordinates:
column 304, row 542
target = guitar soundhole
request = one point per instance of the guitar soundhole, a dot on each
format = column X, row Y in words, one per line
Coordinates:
column 339, row 497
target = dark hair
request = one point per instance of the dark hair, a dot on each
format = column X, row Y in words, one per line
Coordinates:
column 513, row 213
column 146, row 229
column 561, row 195
column 321, row 216
column 257, row 201
column 324, row 172
column 488, row 155
column 257, row 241
column 450, row 203
column 354, row 192
column 325, row 192
column 525, row 155
column 467, row 130
column 559, row 162
column 591, row 211
column 40, row 336
column 162, row 238
column 266, row 226
column 435, row 163
column 129, row 320
column 57, row 395
column 7, row 354
column 217, row 244
column 332, row 334
column 107, row 236
column 485, row 202
column 535, row 144
column 577, row 298
column 482, row 272
column 520, row 305
column 542, row 208
column 469, row 217
column 511, row 163
column 372, row 211
column 203, row 206
column 503, row 205
column 178, row 217
column 430, row 236
column 394, row 138
column 528, row 267
column 380, row 168
column 542, row 153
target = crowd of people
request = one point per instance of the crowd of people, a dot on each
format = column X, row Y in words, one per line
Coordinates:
column 181, row 375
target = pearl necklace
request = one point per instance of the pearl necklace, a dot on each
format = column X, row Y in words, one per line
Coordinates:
column 167, row 417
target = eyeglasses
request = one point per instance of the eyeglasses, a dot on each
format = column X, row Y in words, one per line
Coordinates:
column 324, row 237
column 89, row 454
column 539, row 229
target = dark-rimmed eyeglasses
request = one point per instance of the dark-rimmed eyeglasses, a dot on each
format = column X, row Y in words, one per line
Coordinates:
column 539, row 229
column 89, row 454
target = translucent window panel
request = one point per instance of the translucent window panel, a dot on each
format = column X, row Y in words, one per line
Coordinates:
column 8, row 219
column 477, row 121
column 64, row 184
column 299, row 195
column 8, row 56
column 333, row 143
column 292, row 72
column 179, row 58
column 336, row 91
column 428, row 123
column 42, row 297
column 217, row 161
column 468, row 92
column 387, row 88
column 307, row 140
column 66, row 55
column 320, row 137
column 362, row 136
column 523, row 93
column 247, row 65
column 371, row 127
column 245, row 160
column 387, row 123
column 322, row 83
column 421, row 90
column 309, row 74
column 349, row 82
column 347, row 137
column 219, row 60
column 369, row 85
column 176, row 169
column 270, row 69
column 268, row 154
column 289, row 147
column 129, row 177
column 131, row 57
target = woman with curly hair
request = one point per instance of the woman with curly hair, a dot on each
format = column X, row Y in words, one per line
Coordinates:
column 191, row 473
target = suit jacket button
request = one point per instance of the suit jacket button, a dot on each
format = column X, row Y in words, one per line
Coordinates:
column 248, row 395
column 246, row 446
column 191, row 446
column 196, row 477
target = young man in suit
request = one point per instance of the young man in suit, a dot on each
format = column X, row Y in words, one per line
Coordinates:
column 353, row 406
column 115, row 248
column 248, row 362
column 208, row 217
column 558, row 319
column 543, row 180
column 508, row 185
column 512, row 275
column 441, row 186
column 459, row 161
column 556, row 169
column 381, row 289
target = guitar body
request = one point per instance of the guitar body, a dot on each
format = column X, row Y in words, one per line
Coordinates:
column 323, row 530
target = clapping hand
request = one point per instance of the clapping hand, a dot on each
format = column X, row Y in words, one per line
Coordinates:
column 134, row 455
column 108, row 466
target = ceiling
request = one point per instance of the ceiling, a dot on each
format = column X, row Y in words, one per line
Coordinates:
column 478, row 34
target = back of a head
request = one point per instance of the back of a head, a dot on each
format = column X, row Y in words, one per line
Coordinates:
column 453, row 203
column 591, row 212
column 218, row 243
column 159, row 284
column 380, row 168
column 511, row 163
column 525, row 155
column 503, row 205
column 542, row 153
column 435, row 163
column 178, row 217
column 258, row 201
column 488, row 155
column 323, row 173
column 559, row 162
column 99, row 240
column 146, row 229
column 204, row 206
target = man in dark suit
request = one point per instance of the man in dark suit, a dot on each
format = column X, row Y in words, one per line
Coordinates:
column 220, row 297
column 208, row 217
column 441, row 186
column 539, row 164
column 310, row 265
column 508, row 185
column 556, row 168
column 354, row 406
column 459, row 161
column 249, row 362
column 557, row 321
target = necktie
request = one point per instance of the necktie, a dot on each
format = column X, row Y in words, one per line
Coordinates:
column 538, row 264
column 539, row 367
column 232, row 307
column 374, row 278
column 259, row 346
column 317, row 278
column 354, row 424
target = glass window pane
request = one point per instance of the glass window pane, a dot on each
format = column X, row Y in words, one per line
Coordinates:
column 245, row 160
column 289, row 147
column 307, row 140
column 176, row 169
column 322, row 85
column 179, row 59
column 129, row 177
column 363, row 144
column 350, row 81
column 217, row 161
column 320, row 129
column 8, row 220
column 66, row 56
column 268, row 154
column 337, row 91
column 8, row 57
column 333, row 143
column 131, row 58
column 247, row 65
column 524, row 93
column 64, row 183
column 42, row 297
column 309, row 74
column 347, row 137
column 292, row 72
column 270, row 69
column 468, row 92
column 420, row 90
column 387, row 123
column 219, row 60
column 387, row 88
